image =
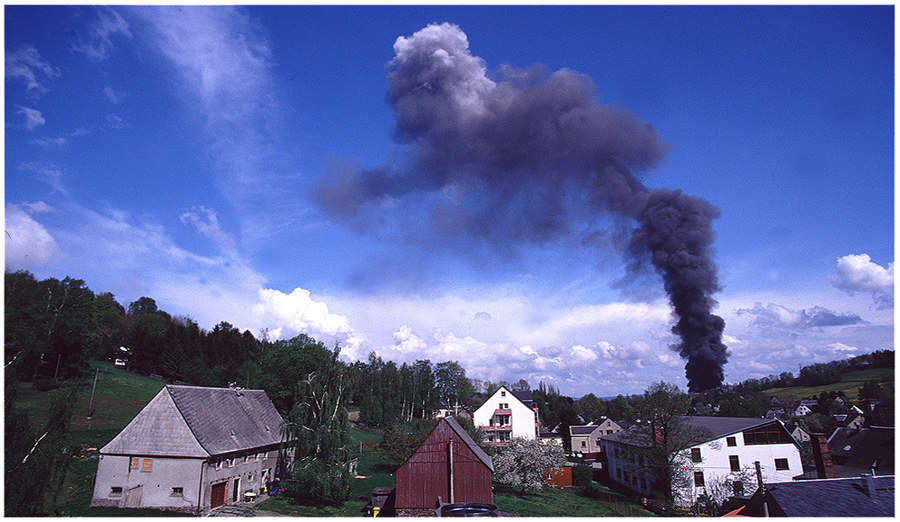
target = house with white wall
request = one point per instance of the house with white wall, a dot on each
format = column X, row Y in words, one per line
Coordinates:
column 191, row 449
column 721, row 465
column 506, row 415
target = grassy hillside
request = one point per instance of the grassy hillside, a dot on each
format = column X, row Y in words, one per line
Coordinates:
column 849, row 384
column 119, row 396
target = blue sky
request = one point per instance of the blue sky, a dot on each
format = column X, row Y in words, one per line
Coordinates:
column 172, row 153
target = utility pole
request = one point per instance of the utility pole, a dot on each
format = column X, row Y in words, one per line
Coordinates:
column 94, row 387
column 450, row 468
column 762, row 490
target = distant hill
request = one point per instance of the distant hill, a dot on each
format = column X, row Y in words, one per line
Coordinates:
column 849, row 384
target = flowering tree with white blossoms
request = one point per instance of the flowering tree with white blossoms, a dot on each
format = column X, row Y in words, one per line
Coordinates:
column 524, row 464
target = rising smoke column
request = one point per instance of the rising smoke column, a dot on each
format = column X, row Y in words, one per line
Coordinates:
column 522, row 158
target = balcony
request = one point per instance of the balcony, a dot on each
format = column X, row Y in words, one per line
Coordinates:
column 496, row 427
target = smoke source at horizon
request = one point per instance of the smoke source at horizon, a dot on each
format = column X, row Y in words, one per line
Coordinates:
column 521, row 159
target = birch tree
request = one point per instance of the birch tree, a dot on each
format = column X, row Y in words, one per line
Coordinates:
column 317, row 432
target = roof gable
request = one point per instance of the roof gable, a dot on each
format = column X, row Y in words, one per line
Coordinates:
column 158, row 430
column 434, row 438
column 226, row 420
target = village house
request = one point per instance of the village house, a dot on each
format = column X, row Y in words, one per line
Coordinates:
column 719, row 466
column 507, row 414
column 447, row 468
column 445, row 409
column 804, row 407
column 586, row 439
column 191, row 449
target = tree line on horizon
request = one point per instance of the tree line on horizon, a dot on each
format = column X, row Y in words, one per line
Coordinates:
column 54, row 327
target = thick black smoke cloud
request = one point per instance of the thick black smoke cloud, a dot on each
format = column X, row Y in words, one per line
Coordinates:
column 522, row 158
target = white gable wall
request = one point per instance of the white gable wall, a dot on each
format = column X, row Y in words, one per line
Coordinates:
column 155, row 485
column 523, row 419
column 715, row 466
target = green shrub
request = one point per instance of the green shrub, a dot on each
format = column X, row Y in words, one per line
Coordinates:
column 582, row 475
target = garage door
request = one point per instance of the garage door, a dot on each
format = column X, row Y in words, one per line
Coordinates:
column 217, row 497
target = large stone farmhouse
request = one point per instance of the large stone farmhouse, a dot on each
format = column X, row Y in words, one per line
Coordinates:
column 506, row 415
column 721, row 465
column 191, row 449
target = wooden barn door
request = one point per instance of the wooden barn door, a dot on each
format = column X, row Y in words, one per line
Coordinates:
column 133, row 497
column 217, row 496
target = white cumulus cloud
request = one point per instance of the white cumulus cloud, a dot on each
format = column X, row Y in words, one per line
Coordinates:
column 857, row 273
column 28, row 243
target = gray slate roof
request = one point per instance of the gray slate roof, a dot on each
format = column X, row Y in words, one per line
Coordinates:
column 834, row 497
column 718, row 426
column 582, row 430
column 190, row 421
column 855, row 451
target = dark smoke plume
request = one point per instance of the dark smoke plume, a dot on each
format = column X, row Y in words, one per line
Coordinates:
column 522, row 158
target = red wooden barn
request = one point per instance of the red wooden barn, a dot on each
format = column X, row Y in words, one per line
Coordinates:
column 448, row 465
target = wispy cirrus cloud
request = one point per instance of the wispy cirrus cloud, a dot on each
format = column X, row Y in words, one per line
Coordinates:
column 26, row 64
column 223, row 63
column 97, row 43
column 206, row 221
column 33, row 117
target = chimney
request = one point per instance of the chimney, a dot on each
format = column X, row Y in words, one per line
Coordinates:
column 821, row 455
column 659, row 434
column 869, row 484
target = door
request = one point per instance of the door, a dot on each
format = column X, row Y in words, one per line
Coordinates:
column 133, row 497
column 236, row 495
column 217, row 497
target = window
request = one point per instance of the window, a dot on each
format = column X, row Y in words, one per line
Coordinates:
column 503, row 394
column 695, row 455
column 115, row 491
column 735, row 462
column 698, row 479
column 731, row 441
column 219, row 464
column 135, row 463
column 148, row 465
column 177, row 492
column 782, row 464
column 246, row 459
column 609, row 432
column 643, row 483
column 583, row 444
column 772, row 433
